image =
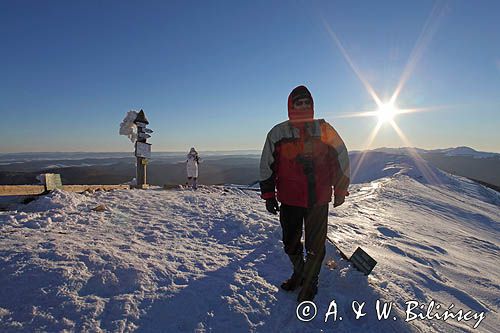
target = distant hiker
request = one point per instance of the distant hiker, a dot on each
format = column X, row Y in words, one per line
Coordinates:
column 192, row 168
column 302, row 159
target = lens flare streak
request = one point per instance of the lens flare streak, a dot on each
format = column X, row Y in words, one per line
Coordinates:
column 422, row 166
column 423, row 40
column 387, row 111
column 368, row 144
column 367, row 85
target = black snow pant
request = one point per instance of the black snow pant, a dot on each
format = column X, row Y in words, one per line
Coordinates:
column 315, row 221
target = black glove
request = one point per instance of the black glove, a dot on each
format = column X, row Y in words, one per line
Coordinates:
column 338, row 200
column 272, row 206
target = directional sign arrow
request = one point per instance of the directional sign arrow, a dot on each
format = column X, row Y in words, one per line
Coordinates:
column 143, row 136
column 141, row 118
column 147, row 130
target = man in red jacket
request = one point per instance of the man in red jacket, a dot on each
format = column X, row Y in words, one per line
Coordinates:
column 302, row 159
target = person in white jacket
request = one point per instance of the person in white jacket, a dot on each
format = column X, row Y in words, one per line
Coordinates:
column 192, row 168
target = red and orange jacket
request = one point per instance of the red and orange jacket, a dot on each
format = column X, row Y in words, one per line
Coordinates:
column 302, row 161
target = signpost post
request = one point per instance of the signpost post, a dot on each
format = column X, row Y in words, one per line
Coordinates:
column 142, row 149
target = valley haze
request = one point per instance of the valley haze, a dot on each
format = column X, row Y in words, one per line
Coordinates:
column 217, row 167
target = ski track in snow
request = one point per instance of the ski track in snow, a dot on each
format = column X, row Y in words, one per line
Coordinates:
column 211, row 260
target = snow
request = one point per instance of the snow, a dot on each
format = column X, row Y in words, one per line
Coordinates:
column 80, row 165
column 466, row 151
column 457, row 151
column 211, row 260
column 128, row 126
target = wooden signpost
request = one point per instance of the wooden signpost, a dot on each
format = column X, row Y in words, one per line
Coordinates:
column 142, row 149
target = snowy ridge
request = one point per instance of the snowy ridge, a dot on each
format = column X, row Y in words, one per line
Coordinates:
column 211, row 260
column 467, row 151
column 457, row 151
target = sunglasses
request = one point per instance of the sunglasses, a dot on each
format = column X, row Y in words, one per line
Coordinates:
column 300, row 102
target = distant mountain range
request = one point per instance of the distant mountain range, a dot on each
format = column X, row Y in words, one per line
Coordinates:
column 457, row 151
column 240, row 167
column 462, row 161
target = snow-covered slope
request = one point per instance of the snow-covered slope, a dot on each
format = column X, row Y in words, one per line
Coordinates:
column 211, row 260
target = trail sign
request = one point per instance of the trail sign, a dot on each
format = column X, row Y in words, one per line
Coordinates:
column 142, row 135
column 143, row 149
column 141, row 118
column 52, row 181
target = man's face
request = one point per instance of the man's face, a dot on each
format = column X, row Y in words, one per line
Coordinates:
column 302, row 103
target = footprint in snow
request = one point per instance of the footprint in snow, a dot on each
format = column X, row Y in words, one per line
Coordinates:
column 388, row 232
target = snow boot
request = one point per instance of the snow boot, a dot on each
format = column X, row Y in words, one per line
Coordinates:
column 298, row 268
column 308, row 291
column 293, row 282
column 312, row 268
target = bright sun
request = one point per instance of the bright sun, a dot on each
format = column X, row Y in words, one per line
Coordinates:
column 386, row 112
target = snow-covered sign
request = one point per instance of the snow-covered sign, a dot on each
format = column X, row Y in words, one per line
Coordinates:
column 148, row 130
column 127, row 126
column 143, row 150
column 139, row 124
column 52, row 181
column 141, row 135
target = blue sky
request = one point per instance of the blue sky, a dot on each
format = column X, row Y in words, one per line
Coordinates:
column 216, row 74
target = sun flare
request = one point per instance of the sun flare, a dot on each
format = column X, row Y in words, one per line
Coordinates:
column 386, row 112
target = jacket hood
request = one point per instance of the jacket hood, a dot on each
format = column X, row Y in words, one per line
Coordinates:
column 304, row 114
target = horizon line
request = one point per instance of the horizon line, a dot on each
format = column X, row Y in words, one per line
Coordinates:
column 227, row 150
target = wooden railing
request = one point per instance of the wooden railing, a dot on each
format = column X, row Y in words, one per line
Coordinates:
column 11, row 190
